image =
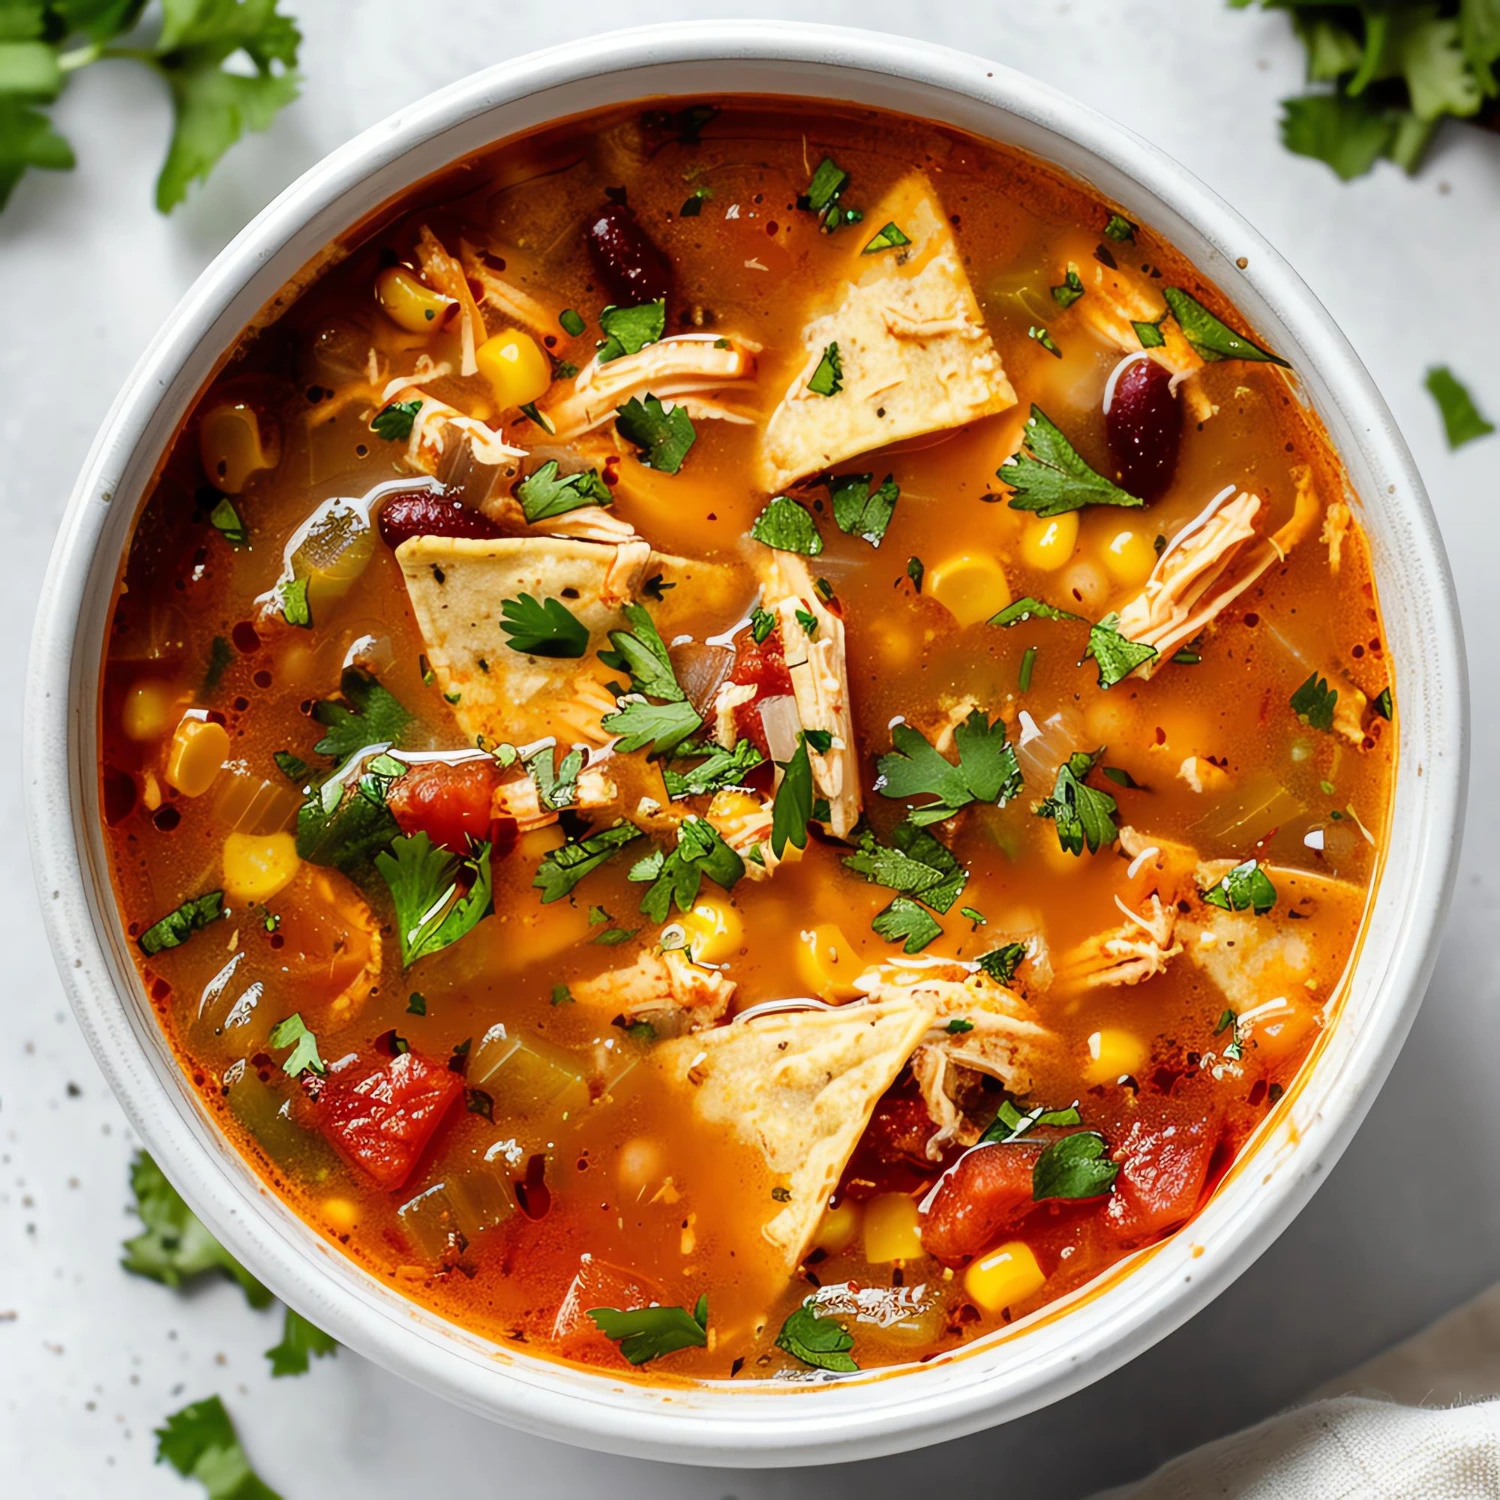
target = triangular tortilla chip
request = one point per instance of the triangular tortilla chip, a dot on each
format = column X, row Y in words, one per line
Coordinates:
column 457, row 585
column 800, row 1086
column 915, row 354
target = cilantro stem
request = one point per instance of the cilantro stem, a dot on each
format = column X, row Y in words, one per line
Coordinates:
column 79, row 57
column 1028, row 661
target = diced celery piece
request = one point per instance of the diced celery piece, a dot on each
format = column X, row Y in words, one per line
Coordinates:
column 1250, row 811
column 430, row 1223
column 482, row 1198
column 525, row 1075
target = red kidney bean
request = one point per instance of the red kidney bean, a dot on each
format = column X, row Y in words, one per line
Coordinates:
column 430, row 513
column 1144, row 425
column 633, row 269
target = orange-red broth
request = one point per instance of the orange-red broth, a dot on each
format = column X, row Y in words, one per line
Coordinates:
column 666, row 1211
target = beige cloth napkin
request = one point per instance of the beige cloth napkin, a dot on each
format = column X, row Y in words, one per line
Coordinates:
column 1418, row 1422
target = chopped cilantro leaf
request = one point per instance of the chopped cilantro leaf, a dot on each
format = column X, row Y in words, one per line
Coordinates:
column 395, row 422
column 646, row 1333
column 828, row 378
column 904, row 920
column 793, row 808
column 642, row 653
column 785, row 525
column 987, row 770
column 1070, row 290
column 677, row 876
column 817, row 1341
column 693, row 204
column 1246, row 887
column 823, row 193
column 1046, row 340
column 1314, row 703
column 174, row 929
column 889, row 238
column 225, row 519
column 860, row 511
column 628, row 330
column 369, row 715
column 1083, row 814
column 1121, row 778
column 1116, row 655
column 1150, row 334
column 1211, row 338
column 1011, row 1125
column 1383, row 704
column 439, row 896
column 303, row 1058
column 663, row 726
column 416, row 1005
column 1001, row 963
column 543, row 495
column 291, row 594
column 562, row 995
column 662, row 434
column 556, row 784
column 1049, row 477
column 200, row 1443
column 762, row 623
column 915, row 863
column 300, row 1342
column 1077, row 1166
column 1119, row 229
column 543, row 628
column 572, row 321
column 1025, row 609
column 561, row 869
column 916, row 571
column 1462, row 422
column 722, row 768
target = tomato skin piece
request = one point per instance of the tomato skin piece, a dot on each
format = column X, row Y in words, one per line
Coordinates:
column 382, row 1124
column 449, row 801
column 1164, row 1146
column 984, row 1196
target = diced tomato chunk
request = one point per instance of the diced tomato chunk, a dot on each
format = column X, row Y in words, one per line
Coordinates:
column 383, row 1123
column 985, row 1195
column 1164, row 1147
column 761, row 665
column 448, row 801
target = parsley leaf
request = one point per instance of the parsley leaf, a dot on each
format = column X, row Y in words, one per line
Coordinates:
column 905, row 919
column 987, row 769
column 1116, row 655
column 860, row 511
column 786, row 526
column 1070, row 290
column 889, row 238
column 916, row 863
column 543, row 628
column 643, row 654
column 1049, row 477
column 1083, row 814
column 1025, row 609
column 303, row 1058
column 433, row 907
column 662, row 434
column 817, row 1341
column 174, row 929
column 543, row 495
column 646, row 1333
column 1462, row 422
column 174, row 1247
column 1077, row 1166
column 1010, row 1125
column 629, row 329
column 373, row 716
column 1314, row 703
column 1001, row 963
column 1246, row 887
column 678, row 876
column 300, row 1342
column 556, row 784
column 793, row 808
column 828, row 378
column 200, row 1443
column 723, row 768
column 395, row 422
column 1211, row 338
column 561, row 869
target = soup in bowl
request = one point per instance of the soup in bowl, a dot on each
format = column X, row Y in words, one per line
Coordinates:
column 747, row 740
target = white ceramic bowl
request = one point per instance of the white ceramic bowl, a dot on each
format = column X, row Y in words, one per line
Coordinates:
column 1064, row 1347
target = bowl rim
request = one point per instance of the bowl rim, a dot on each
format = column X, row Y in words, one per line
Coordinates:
column 708, row 1424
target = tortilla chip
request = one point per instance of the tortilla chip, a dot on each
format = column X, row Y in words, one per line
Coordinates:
column 457, row 585
column 915, row 353
column 800, row 1086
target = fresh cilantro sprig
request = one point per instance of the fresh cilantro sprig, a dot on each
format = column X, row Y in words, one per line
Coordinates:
column 561, row 869
column 904, row 922
column 915, row 863
column 439, row 896
column 543, row 627
column 200, row 1443
column 987, row 770
column 721, row 768
column 663, row 435
column 642, row 654
column 229, row 65
column 304, row 1056
column 542, row 494
column 627, row 330
column 1084, row 815
column 368, row 715
column 677, row 876
column 1314, row 703
column 1049, row 477
column 816, row 1340
column 647, row 1333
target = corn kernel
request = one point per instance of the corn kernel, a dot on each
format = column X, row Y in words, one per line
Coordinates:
column 233, row 447
column 1112, row 1054
column 515, row 366
column 1129, row 556
column 340, row 1214
column 891, row 1229
column 1003, row 1278
column 1046, row 544
column 408, row 303
column 197, row 755
column 971, row 586
column 838, row 1229
column 827, row 962
column 148, row 710
column 714, row 931
column 257, row 867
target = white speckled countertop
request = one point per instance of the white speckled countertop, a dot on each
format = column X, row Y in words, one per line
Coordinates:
column 91, row 1359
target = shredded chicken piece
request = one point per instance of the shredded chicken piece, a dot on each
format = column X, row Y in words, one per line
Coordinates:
column 743, row 821
column 626, row 573
column 730, row 696
column 447, row 275
column 684, row 366
column 507, row 299
column 521, row 799
column 1201, row 774
column 1207, row 565
column 589, row 523
column 1116, row 301
column 432, row 426
column 1131, row 953
column 1349, row 713
column 587, row 703
column 667, row 989
column 1336, row 524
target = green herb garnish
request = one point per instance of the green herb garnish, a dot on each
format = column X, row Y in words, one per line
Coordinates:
column 1211, row 338
column 662, row 434
column 828, row 378
column 785, row 525
column 987, row 770
column 1246, row 887
column 543, row 628
column 647, row 1333
column 1084, row 815
column 174, row 929
column 860, row 511
column 1049, row 477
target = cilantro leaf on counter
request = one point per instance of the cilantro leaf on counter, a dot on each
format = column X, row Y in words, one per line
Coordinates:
column 174, row 929
column 662, row 434
column 987, row 770
column 1049, row 477
column 561, row 869
column 304, row 1056
column 543, row 495
column 1349, row 134
column 787, row 527
column 544, row 627
column 722, row 768
column 300, row 1342
column 793, row 808
column 628, row 330
column 439, row 897
column 1246, row 887
column 816, row 1340
column 1083, row 814
column 904, row 919
column 828, row 378
column 915, row 863
column 860, row 511
column 174, row 1247
column 1077, row 1166
column 369, row 715
column 1116, row 655
column 646, row 1333
column 1462, row 420
column 1211, row 338
column 200, row 1443
column 1314, row 703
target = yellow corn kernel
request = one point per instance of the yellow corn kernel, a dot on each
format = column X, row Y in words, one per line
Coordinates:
column 256, row 867
column 340, row 1214
column 714, row 931
column 197, row 755
column 1003, row 1278
column 891, row 1224
column 1112, row 1054
column 515, row 366
column 530, row 847
column 827, row 962
column 838, row 1229
column 148, row 710
column 233, row 447
column 971, row 586
column 1129, row 557
column 1046, row 544
column 408, row 302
